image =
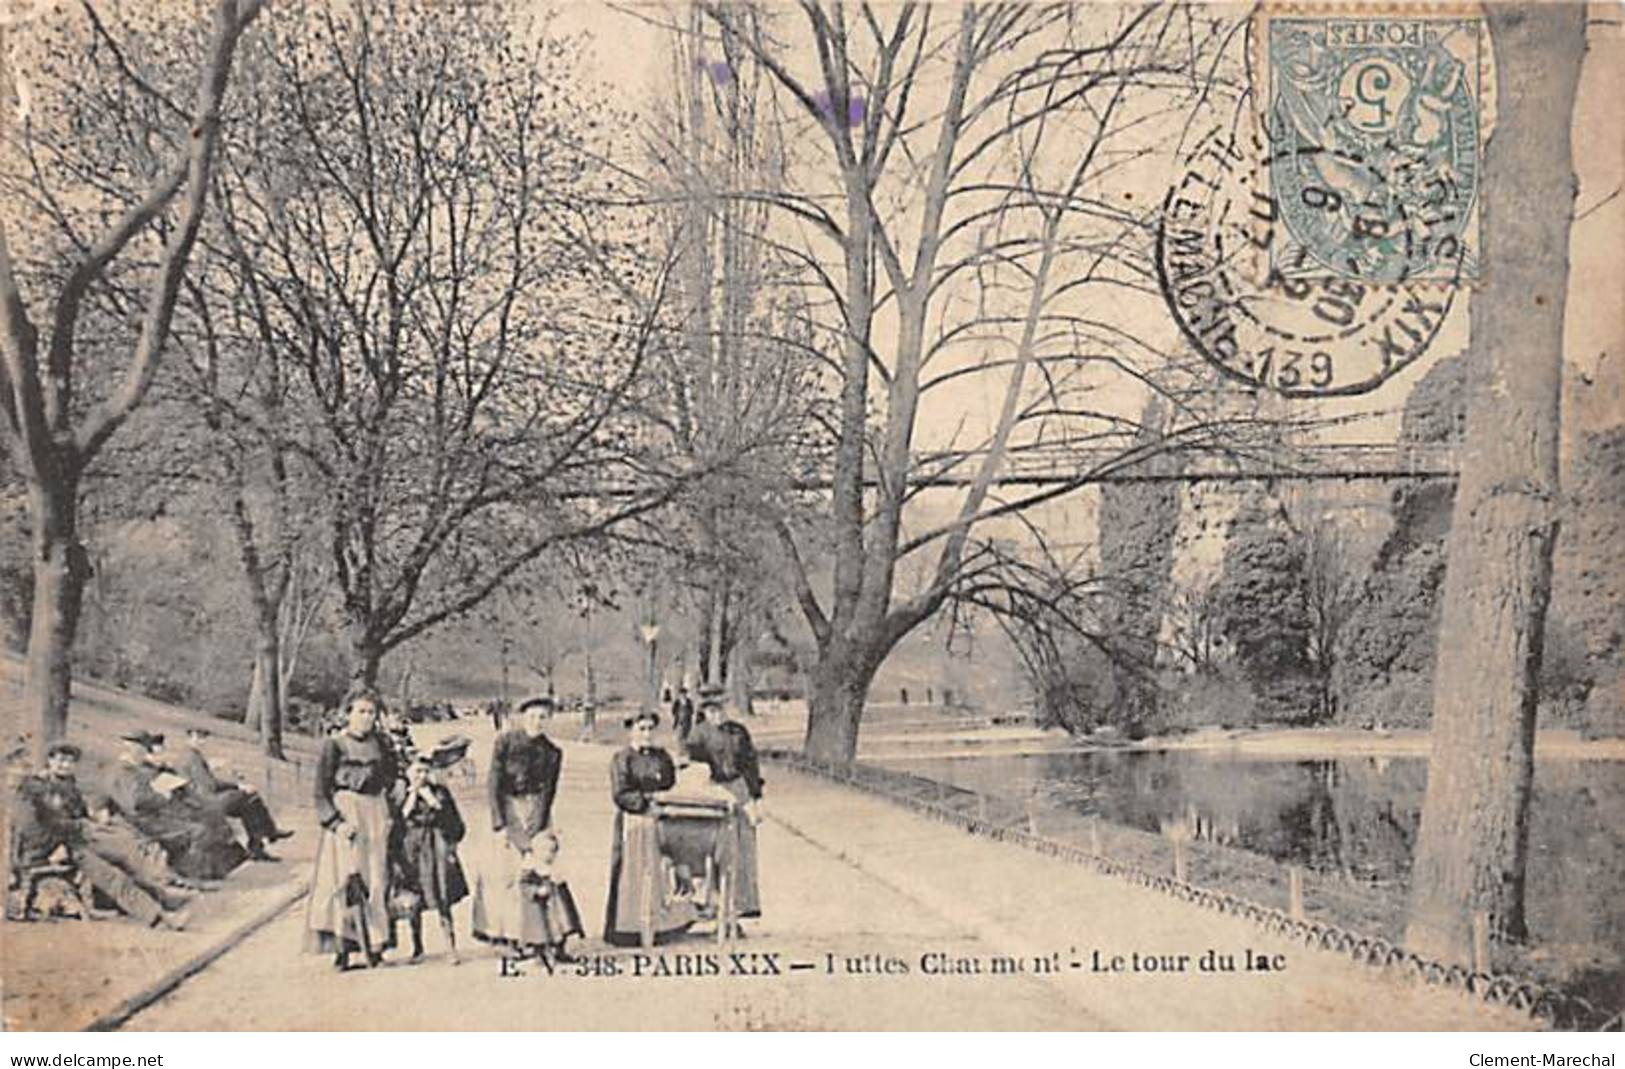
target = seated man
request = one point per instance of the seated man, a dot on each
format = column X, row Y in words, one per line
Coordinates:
column 238, row 800
column 50, row 823
column 160, row 804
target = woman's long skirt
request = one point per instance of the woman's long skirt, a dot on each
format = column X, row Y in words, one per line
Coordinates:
column 511, row 907
column 747, row 894
column 349, row 893
column 639, row 887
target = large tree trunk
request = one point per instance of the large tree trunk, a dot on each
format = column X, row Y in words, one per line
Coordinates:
column 296, row 613
column 40, row 432
column 254, row 712
column 265, row 708
column 60, row 570
column 838, row 686
column 727, row 609
column 1471, row 850
column 367, row 653
column 740, row 678
column 708, row 623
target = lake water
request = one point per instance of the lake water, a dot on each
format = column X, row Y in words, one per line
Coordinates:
column 1357, row 816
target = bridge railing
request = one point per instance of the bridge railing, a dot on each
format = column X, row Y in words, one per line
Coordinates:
column 1356, row 460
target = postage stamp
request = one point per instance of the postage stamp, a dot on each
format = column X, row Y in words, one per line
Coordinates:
column 1374, row 125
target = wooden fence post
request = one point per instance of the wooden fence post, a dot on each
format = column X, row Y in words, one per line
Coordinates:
column 1294, row 892
column 1481, row 941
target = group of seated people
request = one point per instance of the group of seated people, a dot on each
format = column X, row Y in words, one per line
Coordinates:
column 158, row 835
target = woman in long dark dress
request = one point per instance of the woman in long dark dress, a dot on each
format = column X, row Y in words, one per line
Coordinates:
column 349, row 892
column 428, row 875
column 725, row 745
column 638, row 891
column 517, row 902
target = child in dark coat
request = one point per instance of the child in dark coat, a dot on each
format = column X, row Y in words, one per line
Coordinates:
column 427, row 874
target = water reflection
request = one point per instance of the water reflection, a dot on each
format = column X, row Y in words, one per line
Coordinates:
column 1352, row 816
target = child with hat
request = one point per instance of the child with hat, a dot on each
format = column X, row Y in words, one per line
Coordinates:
column 423, row 855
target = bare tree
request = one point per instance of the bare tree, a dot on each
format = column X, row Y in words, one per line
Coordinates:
column 743, row 379
column 242, row 390
column 430, row 249
column 1330, row 591
column 1058, row 613
column 1472, row 847
column 953, row 219
column 73, row 181
column 1196, row 638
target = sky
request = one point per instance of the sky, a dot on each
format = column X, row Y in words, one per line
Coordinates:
column 630, row 53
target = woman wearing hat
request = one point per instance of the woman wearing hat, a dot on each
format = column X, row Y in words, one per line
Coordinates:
column 725, row 745
column 638, row 894
column 158, row 803
column 428, row 875
column 513, row 890
column 349, row 893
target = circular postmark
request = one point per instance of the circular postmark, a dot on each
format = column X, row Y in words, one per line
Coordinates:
column 1303, row 335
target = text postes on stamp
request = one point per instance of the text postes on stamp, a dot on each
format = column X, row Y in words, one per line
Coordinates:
column 1374, row 126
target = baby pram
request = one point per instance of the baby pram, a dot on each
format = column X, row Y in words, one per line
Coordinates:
column 699, row 841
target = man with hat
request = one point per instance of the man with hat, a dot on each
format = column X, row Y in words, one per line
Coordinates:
column 237, row 800
column 157, row 801
column 52, row 822
column 682, row 714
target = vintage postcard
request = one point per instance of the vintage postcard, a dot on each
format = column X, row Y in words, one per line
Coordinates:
column 812, row 516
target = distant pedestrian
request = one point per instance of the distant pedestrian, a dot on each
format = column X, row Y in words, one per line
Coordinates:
column 682, row 715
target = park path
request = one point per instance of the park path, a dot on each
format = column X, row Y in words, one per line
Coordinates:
column 852, row 881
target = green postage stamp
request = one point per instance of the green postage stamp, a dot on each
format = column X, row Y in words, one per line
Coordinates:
column 1374, row 127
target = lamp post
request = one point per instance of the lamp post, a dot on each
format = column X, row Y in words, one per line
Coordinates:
column 651, row 694
column 504, row 669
